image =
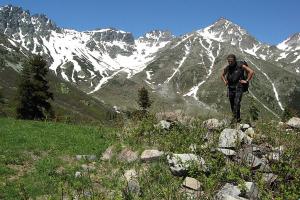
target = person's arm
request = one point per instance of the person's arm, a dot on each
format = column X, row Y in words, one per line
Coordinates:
column 223, row 76
column 249, row 72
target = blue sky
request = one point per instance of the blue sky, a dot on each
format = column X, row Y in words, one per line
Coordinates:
column 270, row 21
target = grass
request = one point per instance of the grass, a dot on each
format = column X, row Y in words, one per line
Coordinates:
column 32, row 151
column 38, row 161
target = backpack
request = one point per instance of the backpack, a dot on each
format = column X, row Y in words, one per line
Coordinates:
column 236, row 74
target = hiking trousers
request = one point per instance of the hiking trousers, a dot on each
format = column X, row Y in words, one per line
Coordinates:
column 235, row 97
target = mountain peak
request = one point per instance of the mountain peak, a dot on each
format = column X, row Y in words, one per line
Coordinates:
column 158, row 35
column 223, row 30
column 291, row 43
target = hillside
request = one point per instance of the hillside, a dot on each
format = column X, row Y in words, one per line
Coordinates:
column 45, row 160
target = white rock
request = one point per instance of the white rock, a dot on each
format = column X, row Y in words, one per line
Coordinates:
column 130, row 174
column 191, row 183
column 150, row 155
column 77, row 174
column 227, row 152
column 294, row 122
column 229, row 138
column 233, row 192
column 250, row 132
column 165, row 124
column 108, row 153
column 245, row 126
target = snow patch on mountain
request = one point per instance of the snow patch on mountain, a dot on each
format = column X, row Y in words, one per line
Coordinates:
column 176, row 70
column 193, row 91
column 272, row 83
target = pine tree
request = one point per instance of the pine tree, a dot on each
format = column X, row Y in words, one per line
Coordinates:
column 34, row 91
column 144, row 100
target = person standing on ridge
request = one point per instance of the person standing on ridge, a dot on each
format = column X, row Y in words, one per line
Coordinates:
column 234, row 78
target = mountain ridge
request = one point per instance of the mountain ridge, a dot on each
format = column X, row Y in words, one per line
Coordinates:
column 170, row 66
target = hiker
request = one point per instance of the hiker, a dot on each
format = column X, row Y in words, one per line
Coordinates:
column 236, row 82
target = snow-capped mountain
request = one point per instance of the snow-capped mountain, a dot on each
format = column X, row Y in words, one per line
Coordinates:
column 183, row 71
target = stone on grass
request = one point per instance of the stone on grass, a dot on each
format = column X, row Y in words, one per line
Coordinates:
column 86, row 157
column 130, row 174
column 244, row 127
column 229, row 138
column 108, row 153
column 294, row 122
column 227, row 152
column 77, row 174
column 88, row 167
column 191, row 183
column 249, row 159
column 165, row 124
column 127, row 155
column 250, row 132
column 269, row 177
column 180, row 163
column 150, row 155
column 133, row 186
column 212, row 124
column 229, row 191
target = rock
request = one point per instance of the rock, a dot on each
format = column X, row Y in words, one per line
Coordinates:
column 276, row 154
column 86, row 157
column 280, row 124
column 130, row 174
column 179, row 163
column 255, row 150
column 244, row 127
column 250, row 132
column 191, row 183
column 251, row 191
column 77, row 174
column 164, row 124
column 133, row 186
column 294, row 122
column 229, row 191
column 212, row 124
column 193, row 147
column 250, row 160
column 88, row 167
column 227, row 152
column 190, row 194
column 229, row 138
column 150, row 155
column 269, row 177
column 127, row 155
column 108, row 153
